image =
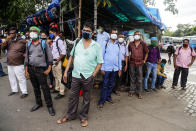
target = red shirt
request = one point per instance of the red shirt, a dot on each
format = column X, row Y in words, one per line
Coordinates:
column 137, row 53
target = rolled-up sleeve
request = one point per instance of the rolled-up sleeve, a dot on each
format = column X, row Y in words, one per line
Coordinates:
column 49, row 55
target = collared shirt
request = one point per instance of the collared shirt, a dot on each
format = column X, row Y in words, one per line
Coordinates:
column 184, row 57
column 16, row 50
column 37, row 57
column 86, row 60
column 112, row 57
column 62, row 49
column 102, row 39
column 137, row 53
column 124, row 51
column 153, row 55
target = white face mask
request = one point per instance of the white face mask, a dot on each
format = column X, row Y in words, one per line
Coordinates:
column 131, row 38
column 136, row 37
column 114, row 36
column 33, row 35
column 121, row 40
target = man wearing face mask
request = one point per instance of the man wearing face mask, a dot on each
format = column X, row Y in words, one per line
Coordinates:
column 111, row 68
column 86, row 56
column 38, row 55
column 183, row 59
column 138, row 56
column 154, row 57
column 161, row 76
column 16, row 48
column 102, row 36
column 124, row 58
column 58, row 52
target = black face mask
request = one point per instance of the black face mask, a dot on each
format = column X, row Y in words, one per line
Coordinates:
column 185, row 46
column 86, row 35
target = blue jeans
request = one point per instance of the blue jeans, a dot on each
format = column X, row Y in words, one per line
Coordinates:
column 108, row 83
column 161, row 80
column 151, row 67
column 1, row 70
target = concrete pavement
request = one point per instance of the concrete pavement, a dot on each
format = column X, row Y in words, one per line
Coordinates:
column 157, row 111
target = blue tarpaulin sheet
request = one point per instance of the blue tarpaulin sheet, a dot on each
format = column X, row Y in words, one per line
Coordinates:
column 135, row 9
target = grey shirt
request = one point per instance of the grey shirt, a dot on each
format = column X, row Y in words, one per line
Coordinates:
column 35, row 56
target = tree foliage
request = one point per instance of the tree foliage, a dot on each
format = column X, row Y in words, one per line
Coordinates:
column 182, row 30
column 15, row 11
column 170, row 5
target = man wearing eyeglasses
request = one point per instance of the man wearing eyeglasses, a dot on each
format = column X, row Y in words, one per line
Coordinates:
column 15, row 59
column 87, row 59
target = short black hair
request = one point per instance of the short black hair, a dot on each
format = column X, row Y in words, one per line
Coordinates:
column 164, row 61
column 53, row 29
column 185, row 40
column 89, row 24
column 102, row 25
column 113, row 29
column 12, row 28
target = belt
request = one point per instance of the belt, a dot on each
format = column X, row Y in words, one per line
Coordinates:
column 55, row 60
column 37, row 67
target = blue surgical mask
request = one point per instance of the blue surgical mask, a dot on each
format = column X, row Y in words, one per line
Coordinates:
column 51, row 35
column 86, row 35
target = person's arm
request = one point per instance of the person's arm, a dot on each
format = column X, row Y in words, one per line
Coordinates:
column 159, row 71
column 119, row 63
column 49, row 59
column 159, row 56
column 98, row 67
column 192, row 61
column 126, row 59
column 146, row 53
column 175, row 56
column 63, row 51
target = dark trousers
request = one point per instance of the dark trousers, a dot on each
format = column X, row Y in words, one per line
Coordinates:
column 108, row 83
column 76, row 85
column 136, row 77
column 161, row 80
column 51, row 77
column 120, row 80
column 184, row 74
column 1, row 70
column 38, row 78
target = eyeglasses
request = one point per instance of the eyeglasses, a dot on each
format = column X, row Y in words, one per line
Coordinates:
column 87, row 31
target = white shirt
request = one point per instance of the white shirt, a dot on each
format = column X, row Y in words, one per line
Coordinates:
column 62, row 48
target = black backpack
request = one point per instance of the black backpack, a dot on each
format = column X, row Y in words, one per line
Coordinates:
column 170, row 49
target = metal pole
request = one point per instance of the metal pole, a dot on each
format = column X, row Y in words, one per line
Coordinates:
column 95, row 15
column 79, row 20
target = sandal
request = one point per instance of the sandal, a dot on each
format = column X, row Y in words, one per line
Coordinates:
column 84, row 123
column 130, row 94
column 139, row 96
column 62, row 120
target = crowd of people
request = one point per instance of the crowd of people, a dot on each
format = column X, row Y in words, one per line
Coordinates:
column 118, row 60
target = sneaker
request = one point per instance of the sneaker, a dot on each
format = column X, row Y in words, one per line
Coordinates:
column 163, row 87
column 146, row 90
column 55, row 91
column 173, row 87
column 59, row 96
column 23, row 96
column 184, row 88
column 155, row 90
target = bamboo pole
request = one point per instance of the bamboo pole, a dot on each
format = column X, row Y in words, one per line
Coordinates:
column 79, row 20
column 95, row 15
